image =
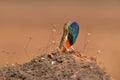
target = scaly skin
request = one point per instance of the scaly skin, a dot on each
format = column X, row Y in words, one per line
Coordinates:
column 64, row 36
column 70, row 33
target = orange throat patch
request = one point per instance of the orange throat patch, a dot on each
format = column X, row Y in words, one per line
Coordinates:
column 67, row 44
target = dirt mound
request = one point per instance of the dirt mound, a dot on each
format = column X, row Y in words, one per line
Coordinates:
column 56, row 66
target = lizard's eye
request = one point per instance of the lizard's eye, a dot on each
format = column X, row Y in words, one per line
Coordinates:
column 65, row 24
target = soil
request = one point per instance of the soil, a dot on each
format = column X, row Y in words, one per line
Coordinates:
column 56, row 66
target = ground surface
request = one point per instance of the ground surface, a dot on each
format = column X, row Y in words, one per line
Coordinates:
column 56, row 66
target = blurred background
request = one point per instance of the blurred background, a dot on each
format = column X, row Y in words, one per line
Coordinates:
column 29, row 28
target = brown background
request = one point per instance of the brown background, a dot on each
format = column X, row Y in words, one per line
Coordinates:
column 26, row 29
